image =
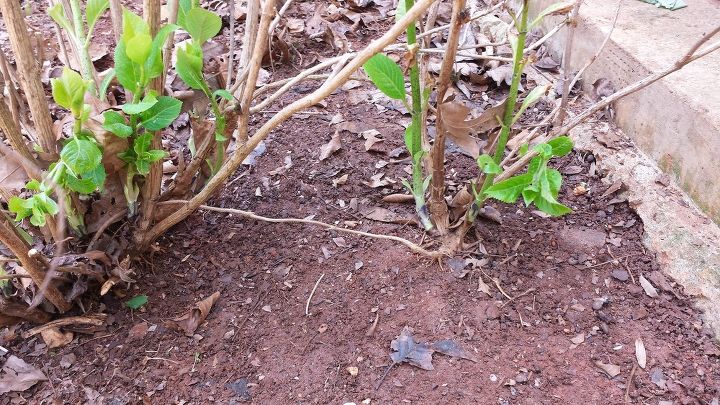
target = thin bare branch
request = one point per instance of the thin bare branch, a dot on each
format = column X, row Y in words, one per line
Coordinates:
column 29, row 72
column 438, row 206
column 567, row 56
column 600, row 49
column 251, row 215
column 311, row 99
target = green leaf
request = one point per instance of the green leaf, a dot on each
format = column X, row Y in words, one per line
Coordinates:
column 386, row 75
column 97, row 176
column 523, row 149
column 154, row 64
column 189, row 68
column 530, row 99
column 535, row 164
column 554, row 179
column 128, row 72
column 162, row 114
column 109, row 76
column 115, row 123
column 487, row 164
column 21, row 207
column 556, row 8
column 138, row 48
column 142, row 143
column 137, row 301
column 81, row 155
column 543, row 150
column 82, row 186
column 411, row 142
column 553, row 208
column 561, row 146
column 509, row 190
column 401, row 10
column 202, row 25
column 133, row 25
column 57, row 13
column 142, row 166
column 154, row 155
column 184, row 6
column 146, row 103
column 69, row 91
column 33, row 185
column 93, row 10
column 529, row 195
column 224, row 94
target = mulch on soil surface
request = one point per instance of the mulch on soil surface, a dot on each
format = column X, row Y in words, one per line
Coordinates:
column 573, row 307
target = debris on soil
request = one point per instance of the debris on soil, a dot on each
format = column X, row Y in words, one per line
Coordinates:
column 189, row 322
column 406, row 350
column 17, row 375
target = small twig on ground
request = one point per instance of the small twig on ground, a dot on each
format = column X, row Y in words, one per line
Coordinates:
column 387, row 370
column 609, row 261
column 497, row 284
column 528, row 291
column 629, row 382
column 307, row 304
column 414, row 247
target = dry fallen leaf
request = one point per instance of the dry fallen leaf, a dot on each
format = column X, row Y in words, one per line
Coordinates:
column 385, row 215
column 340, row 180
column 371, row 138
column 19, row 376
column 462, row 131
column 649, row 289
column 282, row 169
column 375, row 181
column 640, row 353
column 53, row 337
column 12, row 176
column 189, row 322
column 610, row 369
column 331, row 147
column 398, row 198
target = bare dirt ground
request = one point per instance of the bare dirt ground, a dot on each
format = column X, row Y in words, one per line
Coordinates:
column 558, row 324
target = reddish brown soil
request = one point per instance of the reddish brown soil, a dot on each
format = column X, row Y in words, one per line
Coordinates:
column 258, row 345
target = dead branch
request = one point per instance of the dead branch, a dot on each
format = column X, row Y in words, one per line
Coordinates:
column 248, row 44
column 16, row 107
column 639, row 85
column 248, row 214
column 9, row 127
column 278, row 16
column 12, row 241
column 231, row 40
column 567, row 55
column 473, row 18
column 29, row 72
column 172, row 6
column 16, row 309
column 294, row 80
column 93, row 319
column 438, row 206
column 244, row 149
column 545, row 37
column 599, row 51
column 116, row 18
column 153, row 181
